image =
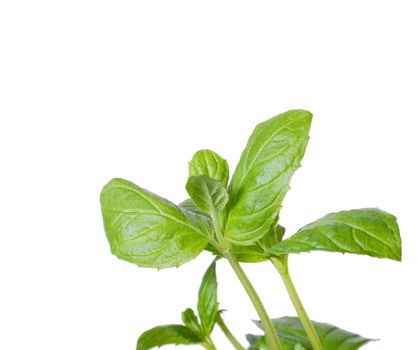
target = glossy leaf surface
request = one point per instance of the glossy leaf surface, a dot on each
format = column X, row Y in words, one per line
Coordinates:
column 370, row 232
column 148, row 230
column 207, row 194
column 209, row 163
column 273, row 153
column 290, row 330
column 164, row 335
column 207, row 299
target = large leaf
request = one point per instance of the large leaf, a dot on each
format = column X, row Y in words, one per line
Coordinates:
column 209, row 163
column 362, row 231
column 291, row 331
column 262, row 177
column 147, row 230
column 169, row 334
column 207, row 194
column 207, row 299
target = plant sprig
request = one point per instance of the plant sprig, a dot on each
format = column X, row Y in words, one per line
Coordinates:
column 239, row 220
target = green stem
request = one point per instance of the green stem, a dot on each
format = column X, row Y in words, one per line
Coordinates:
column 281, row 264
column 271, row 336
column 208, row 344
column 228, row 334
column 217, row 227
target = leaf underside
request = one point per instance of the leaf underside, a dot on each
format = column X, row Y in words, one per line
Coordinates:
column 261, row 180
column 291, row 332
column 371, row 231
column 148, row 230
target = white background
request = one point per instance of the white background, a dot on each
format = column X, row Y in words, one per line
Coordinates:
column 91, row 90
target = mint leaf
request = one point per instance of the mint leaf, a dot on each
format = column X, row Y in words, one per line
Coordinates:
column 261, row 180
column 191, row 321
column 273, row 237
column 207, row 194
column 209, row 163
column 255, row 252
column 258, row 342
column 248, row 254
column 164, row 335
column 370, row 232
column 207, row 299
column 188, row 205
column 148, row 230
column 290, row 330
column 199, row 217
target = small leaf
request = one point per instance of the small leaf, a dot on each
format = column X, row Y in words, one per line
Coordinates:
column 248, row 254
column 207, row 194
column 370, row 232
column 255, row 252
column 209, row 163
column 291, row 332
column 164, row 335
column 273, row 237
column 148, row 230
column 261, row 180
column 207, row 299
column 191, row 321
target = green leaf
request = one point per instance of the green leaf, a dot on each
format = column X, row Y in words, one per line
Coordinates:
column 190, row 320
column 148, row 230
column 291, row 332
column 258, row 342
column 370, row 232
column 247, row 254
column 255, row 252
column 273, row 153
column 273, row 237
column 189, row 205
column 209, row 163
column 207, row 299
column 164, row 335
column 203, row 218
column 207, row 194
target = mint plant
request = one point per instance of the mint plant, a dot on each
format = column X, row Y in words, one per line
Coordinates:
column 238, row 220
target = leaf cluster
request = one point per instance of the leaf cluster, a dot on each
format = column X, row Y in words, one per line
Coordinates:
column 239, row 218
